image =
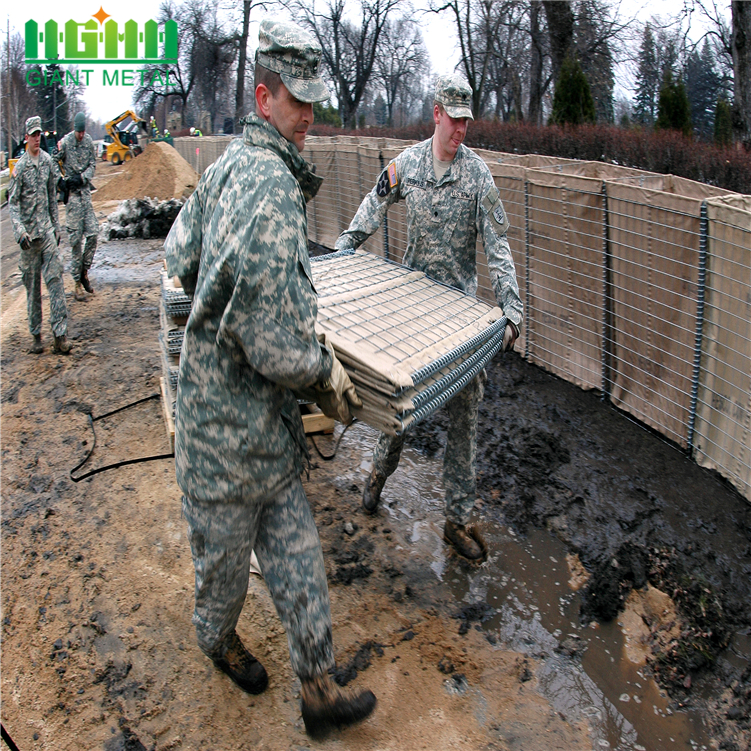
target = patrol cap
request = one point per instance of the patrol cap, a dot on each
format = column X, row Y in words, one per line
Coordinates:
column 33, row 124
column 294, row 54
column 455, row 95
column 79, row 122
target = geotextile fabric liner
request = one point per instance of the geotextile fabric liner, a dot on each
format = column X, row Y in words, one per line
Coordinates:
column 722, row 438
column 408, row 342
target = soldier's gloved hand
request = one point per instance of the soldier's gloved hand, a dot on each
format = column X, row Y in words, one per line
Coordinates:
column 25, row 241
column 336, row 395
column 510, row 336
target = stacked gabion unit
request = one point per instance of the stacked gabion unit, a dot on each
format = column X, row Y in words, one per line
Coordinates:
column 408, row 343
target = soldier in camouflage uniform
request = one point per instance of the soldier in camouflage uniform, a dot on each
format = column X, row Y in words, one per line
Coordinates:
column 33, row 214
column 239, row 247
column 77, row 156
column 451, row 199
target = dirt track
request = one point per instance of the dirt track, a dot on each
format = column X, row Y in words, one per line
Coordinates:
column 98, row 650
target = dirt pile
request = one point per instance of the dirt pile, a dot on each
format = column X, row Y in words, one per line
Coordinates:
column 160, row 172
column 140, row 217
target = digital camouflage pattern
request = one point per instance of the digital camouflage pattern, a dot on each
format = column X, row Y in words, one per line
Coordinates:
column 239, row 247
column 32, row 201
column 455, row 95
column 79, row 158
column 444, row 219
column 282, row 532
column 292, row 52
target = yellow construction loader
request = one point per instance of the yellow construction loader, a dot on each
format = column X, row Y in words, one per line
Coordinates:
column 125, row 141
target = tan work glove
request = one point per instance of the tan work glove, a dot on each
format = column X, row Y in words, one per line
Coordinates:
column 510, row 336
column 336, row 395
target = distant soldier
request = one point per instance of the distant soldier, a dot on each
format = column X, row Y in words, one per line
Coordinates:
column 33, row 214
column 77, row 157
column 451, row 199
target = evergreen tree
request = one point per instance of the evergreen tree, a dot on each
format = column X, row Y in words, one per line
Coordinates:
column 647, row 80
column 673, row 109
column 723, row 123
column 596, row 58
column 572, row 103
column 328, row 115
column 703, row 89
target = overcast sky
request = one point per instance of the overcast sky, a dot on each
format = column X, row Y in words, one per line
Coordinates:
column 106, row 102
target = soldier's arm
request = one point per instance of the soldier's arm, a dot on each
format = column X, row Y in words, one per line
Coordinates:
column 493, row 227
column 372, row 210
column 14, row 204
column 52, row 196
column 88, row 173
column 271, row 314
column 183, row 244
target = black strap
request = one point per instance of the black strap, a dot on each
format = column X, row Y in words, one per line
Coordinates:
column 8, row 740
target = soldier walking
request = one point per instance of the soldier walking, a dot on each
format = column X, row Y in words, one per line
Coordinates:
column 239, row 247
column 77, row 157
column 451, row 199
column 36, row 228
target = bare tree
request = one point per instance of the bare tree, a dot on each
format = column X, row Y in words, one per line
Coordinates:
column 350, row 48
column 538, row 48
column 560, row 18
column 741, row 15
column 477, row 24
column 20, row 99
column 402, row 60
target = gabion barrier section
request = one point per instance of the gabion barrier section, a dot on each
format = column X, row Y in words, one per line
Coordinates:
column 635, row 284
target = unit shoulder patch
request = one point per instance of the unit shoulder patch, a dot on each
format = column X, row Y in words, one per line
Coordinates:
column 387, row 181
column 494, row 208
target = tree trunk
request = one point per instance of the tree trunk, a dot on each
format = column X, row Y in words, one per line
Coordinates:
column 741, row 13
column 241, row 63
column 534, row 115
column 560, row 18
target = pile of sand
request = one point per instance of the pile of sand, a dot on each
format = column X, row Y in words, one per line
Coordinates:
column 159, row 172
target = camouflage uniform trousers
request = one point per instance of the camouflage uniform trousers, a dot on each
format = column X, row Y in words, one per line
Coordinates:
column 281, row 531
column 80, row 221
column 43, row 261
column 460, row 456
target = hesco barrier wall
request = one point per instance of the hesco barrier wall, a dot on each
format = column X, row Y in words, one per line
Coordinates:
column 635, row 284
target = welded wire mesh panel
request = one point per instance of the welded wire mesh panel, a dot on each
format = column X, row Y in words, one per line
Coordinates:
column 655, row 261
column 176, row 303
column 564, row 316
column 722, row 437
column 403, row 324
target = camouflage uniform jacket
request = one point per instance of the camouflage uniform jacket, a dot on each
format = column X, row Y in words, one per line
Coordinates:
column 32, row 197
column 78, row 158
column 444, row 218
column 239, row 247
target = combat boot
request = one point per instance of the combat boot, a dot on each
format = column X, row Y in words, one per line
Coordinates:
column 86, row 283
column 61, row 345
column 232, row 658
column 37, row 347
column 78, row 292
column 371, row 496
column 325, row 706
column 467, row 543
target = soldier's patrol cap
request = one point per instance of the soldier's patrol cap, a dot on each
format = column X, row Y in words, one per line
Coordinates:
column 79, row 122
column 33, row 124
column 295, row 55
column 455, row 95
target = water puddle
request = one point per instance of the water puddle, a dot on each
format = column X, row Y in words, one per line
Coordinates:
column 582, row 670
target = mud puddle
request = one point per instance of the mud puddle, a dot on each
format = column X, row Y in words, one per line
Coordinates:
column 526, row 597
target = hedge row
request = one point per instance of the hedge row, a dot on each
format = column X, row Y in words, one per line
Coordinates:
column 664, row 151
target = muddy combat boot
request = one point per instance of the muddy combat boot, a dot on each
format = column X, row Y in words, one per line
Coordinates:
column 467, row 543
column 232, row 658
column 326, row 706
column 78, row 292
column 37, row 347
column 61, row 345
column 371, row 496
column 86, row 283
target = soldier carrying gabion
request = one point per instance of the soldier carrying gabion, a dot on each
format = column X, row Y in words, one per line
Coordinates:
column 77, row 157
column 451, row 199
column 239, row 247
column 32, row 200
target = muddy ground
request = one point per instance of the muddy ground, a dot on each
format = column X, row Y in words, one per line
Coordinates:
column 98, row 651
